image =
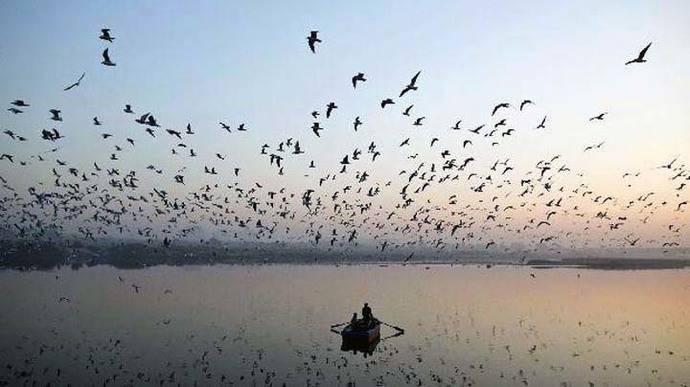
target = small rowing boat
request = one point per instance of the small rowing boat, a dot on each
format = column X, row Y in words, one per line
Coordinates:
column 362, row 332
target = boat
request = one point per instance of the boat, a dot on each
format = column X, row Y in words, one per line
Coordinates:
column 358, row 333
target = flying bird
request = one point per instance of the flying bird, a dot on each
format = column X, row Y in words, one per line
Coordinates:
column 316, row 128
column 499, row 106
column 358, row 78
column 312, row 39
column 75, row 84
column 105, row 35
column 412, row 85
column 640, row 57
column 56, row 115
column 106, row 59
column 357, row 123
column 599, row 116
column 20, row 103
column 329, row 109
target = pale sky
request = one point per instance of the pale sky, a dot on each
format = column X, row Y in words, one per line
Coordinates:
column 205, row 62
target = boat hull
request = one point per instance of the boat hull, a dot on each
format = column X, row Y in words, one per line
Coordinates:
column 361, row 335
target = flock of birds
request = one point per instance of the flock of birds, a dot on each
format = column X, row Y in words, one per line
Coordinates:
column 493, row 201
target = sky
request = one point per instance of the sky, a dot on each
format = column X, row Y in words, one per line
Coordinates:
column 248, row 62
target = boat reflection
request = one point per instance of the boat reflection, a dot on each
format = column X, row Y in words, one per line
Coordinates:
column 363, row 346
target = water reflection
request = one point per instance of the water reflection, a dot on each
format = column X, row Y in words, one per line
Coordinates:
column 270, row 325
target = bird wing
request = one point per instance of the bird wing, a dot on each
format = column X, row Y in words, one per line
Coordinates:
column 414, row 79
column 644, row 51
column 106, row 58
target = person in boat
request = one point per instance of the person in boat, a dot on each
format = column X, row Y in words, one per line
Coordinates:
column 367, row 316
column 354, row 319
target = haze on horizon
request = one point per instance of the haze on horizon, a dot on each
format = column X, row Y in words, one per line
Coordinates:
column 203, row 64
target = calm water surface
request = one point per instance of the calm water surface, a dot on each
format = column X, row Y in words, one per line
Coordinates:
column 269, row 325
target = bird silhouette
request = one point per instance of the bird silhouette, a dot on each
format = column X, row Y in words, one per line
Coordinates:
column 358, row 78
column 106, row 59
column 105, row 35
column 640, row 57
column 312, row 39
column 412, row 85
column 75, row 84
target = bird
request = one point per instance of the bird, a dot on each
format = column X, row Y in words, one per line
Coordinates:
column 357, row 123
column 640, row 57
column 329, row 109
column 105, row 35
column 106, row 59
column 225, row 126
column 174, row 133
column 418, row 121
column 96, row 121
column 500, row 105
column 20, row 103
column 143, row 119
column 75, row 84
column 358, row 78
column 599, row 116
column 412, row 85
column 595, row 146
column 476, row 130
column 525, row 102
column 542, row 125
column 406, row 112
column 128, row 109
column 56, row 115
column 385, row 102
column 151, row 121
column 669, row 165
column 316, row 128
column 312, row 39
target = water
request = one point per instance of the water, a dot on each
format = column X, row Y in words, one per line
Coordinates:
column 269, row 325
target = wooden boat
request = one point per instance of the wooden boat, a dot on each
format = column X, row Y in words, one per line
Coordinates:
column 358, row 333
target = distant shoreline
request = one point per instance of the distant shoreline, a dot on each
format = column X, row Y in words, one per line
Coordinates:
column 49, row 256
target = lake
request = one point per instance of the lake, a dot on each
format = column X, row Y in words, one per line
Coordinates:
column 269, row 325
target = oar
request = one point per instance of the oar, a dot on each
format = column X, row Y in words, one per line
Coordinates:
column 341, row 324
column 393, row 326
